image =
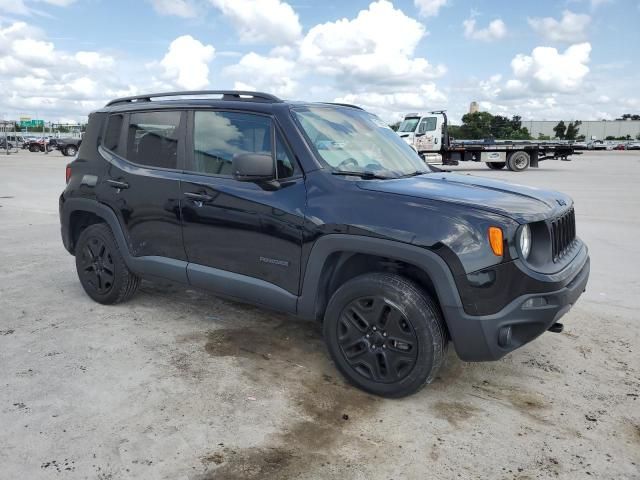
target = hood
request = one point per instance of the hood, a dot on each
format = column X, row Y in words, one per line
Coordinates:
column 521, row 203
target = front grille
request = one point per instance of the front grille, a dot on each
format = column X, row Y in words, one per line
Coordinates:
column 563, row 234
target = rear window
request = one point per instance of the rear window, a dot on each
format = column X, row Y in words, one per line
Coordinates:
column 152, row 139
column 112, row 133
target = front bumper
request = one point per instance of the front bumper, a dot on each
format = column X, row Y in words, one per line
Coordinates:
column 490, row 337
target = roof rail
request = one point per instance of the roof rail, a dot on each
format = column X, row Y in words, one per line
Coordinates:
column 226, row 95
column 343, row 105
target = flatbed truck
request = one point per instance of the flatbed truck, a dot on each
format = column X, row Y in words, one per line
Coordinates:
column 428, row 134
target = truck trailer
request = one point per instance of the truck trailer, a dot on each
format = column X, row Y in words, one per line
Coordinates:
column 428, row 134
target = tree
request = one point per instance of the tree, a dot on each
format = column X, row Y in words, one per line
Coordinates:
column 572, row 130
column 560, row 129
column 454, row 131
column 541, row 136
column 395, row 126
column 481, row 125
column 628, row 116
column 476, row 126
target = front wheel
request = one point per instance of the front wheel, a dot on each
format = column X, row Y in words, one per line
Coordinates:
column 385, row 334
column 70, row 151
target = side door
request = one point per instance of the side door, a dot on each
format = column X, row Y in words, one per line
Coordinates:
column 145, row 154
column 427, row 136
column 250, row 230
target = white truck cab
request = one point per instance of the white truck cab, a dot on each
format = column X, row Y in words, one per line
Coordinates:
column 424, row 132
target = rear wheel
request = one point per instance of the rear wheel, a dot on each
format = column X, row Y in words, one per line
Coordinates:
column 496, row 165
column 518, row 161
column 101, row 268
column 385, row 334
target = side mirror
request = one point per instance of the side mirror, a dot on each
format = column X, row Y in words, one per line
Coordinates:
column 253, row 167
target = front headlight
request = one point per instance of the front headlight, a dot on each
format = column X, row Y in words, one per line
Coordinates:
column 525, row 241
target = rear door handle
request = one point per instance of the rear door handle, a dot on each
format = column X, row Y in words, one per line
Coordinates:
column 198, row 198
column 117, row 184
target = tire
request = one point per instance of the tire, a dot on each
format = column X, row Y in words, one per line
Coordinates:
column 101, row 267
column 34, row 148
column 385, row 334
column 518, row 161
column 70, row 151
column 496, row 165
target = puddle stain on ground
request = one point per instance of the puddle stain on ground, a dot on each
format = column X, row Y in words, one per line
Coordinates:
column 531, row 404
column 455, row 412
column 292, row 354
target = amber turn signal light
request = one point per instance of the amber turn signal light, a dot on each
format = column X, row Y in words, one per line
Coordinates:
column 496, row 241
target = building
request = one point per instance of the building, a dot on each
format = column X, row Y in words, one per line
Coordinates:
column 591, row 129
column 474, row 107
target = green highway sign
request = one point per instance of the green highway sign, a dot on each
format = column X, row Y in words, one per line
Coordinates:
column 31, row 123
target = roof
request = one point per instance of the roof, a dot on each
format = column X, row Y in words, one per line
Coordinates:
column 203, row 98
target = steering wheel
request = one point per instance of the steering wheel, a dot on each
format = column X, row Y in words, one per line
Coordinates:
column 346, row 162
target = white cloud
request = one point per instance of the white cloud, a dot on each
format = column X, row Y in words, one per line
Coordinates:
column 94, row 60
column 37, row 76
column 186, row 64
column 392, row 106
column 429, row 8
column 262, row 21
column 23, row 7
column 548, row 70
column 494, row 31
column 179, row 8
column 272, row 74
column 362, row 52
column 571, row 28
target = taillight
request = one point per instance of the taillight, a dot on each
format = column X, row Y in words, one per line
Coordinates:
column 67, row 173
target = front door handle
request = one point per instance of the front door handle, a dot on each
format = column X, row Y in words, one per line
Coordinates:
column 198, row 198
column 117, row 184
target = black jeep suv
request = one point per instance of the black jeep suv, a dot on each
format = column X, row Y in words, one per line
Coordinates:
column 321, row 211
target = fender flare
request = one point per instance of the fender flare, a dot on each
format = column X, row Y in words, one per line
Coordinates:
column 145, row 266
column 428, row 261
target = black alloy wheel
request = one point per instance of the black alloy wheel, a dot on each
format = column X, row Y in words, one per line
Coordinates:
column 385, row 334
column 377, row 340
column 102, row 271
column 97, row 265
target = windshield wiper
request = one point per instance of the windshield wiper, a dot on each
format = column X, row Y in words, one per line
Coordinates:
column 414, row 174
column 364, row 175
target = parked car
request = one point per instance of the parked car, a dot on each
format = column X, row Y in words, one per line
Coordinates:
column 620, row 146
column 633, row 146
column 320, row 211
column 597, row 145
column 38, row 145
column 68, row 146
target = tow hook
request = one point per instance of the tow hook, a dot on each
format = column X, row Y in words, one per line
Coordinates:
column 556, row 328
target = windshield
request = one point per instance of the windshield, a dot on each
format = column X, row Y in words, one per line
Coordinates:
column 352, row 140
column 409, row 124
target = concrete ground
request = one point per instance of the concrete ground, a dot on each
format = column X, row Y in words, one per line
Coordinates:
column 177, row 384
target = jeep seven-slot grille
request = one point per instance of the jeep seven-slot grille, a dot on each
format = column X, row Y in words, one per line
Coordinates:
column 563, row 233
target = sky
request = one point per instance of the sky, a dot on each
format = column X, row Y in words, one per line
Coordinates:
column 542, row 60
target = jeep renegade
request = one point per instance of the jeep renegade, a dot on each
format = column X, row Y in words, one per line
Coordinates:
column 321, row 211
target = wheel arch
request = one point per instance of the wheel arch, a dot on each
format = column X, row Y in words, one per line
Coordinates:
column 79, row 213
column 160, row 267
column 336, row 258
